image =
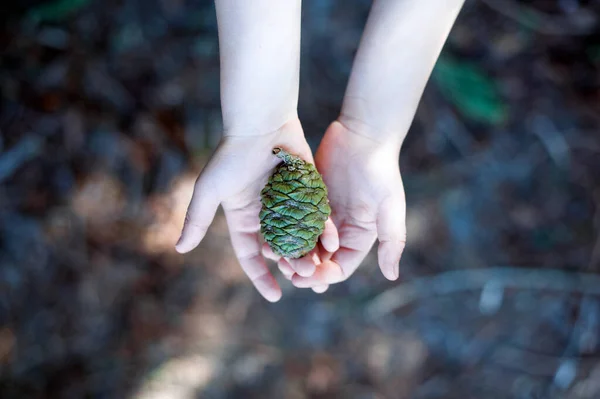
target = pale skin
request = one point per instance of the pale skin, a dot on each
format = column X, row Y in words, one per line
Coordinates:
column 358, row 156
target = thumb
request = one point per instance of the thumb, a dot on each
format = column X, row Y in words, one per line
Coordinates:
column 200, row 215
column 391, row 232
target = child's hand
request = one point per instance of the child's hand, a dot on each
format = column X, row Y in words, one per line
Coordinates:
column 234, row 177
column 358, row 156
column 367, row 201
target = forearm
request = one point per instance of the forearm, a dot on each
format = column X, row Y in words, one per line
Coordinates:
column 259, row 44
column 398, row 50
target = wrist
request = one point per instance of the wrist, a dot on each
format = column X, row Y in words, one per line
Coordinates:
column 371, row 137
column 252, row 127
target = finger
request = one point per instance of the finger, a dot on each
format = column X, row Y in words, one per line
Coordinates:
column 306, row 265
column 330, row 239
column 255, row 267
column 319, row 289
column 269, row 254
column 315, row 256
column 285, row 268
column 200, row 214
column 391, row 232
column 323, row 253
column 355, row 243
column 327, row 273
column 243, row 227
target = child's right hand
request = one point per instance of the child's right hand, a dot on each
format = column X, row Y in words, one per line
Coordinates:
column 234, row 177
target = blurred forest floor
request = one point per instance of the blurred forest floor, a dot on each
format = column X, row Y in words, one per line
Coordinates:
column 109, row 110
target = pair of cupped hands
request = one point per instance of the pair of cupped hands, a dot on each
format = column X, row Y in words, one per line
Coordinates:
column 365, row 193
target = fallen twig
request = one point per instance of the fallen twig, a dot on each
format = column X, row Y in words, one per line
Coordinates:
column 475, row 279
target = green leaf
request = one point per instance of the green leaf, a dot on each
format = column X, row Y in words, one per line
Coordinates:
column 470, row 90
column 57, row 10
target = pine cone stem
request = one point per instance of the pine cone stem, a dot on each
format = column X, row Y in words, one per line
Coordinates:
column 286, row 157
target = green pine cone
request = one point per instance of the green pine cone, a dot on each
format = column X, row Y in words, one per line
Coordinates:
column 294, row 207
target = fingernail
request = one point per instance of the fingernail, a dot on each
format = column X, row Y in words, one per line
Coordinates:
column 179, row 241
column 397, row 266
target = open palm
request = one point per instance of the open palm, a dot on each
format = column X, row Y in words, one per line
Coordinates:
column 367, row 201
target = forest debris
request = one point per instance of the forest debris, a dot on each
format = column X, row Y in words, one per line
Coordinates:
column 25, row 150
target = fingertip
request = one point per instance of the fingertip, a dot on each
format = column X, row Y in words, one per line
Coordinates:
column 191, row 236
column 331, row 244
column 186, row 245
column 330, row 238
column 319, row 289
column 268, row 253
column 274, row 294
column 389, row 255
column 390, row 275
column 180, row 250
column 391, row 231
column 304, row 266
column 327, row 273
column 267, row 286
column 274, row 297
column 315, row 257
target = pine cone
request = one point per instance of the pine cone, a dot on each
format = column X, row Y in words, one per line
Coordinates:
column 294, row 207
